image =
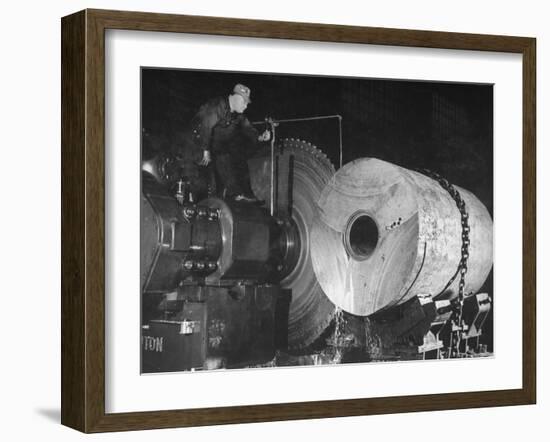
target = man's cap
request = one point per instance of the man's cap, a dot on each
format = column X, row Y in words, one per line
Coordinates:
column 243, row 91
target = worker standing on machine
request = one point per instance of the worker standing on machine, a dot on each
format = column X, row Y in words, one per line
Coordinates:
column 228, row 139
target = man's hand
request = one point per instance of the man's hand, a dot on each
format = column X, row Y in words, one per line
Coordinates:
column 266, row 136
column 206, row 158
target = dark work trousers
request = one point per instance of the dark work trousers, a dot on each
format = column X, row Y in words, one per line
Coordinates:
column 231, row 148
column 233, row 174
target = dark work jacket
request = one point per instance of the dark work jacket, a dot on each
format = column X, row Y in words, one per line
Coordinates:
column 217, row 129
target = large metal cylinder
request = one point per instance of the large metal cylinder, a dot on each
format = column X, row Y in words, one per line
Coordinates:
column 251, row 241
column 386, row 234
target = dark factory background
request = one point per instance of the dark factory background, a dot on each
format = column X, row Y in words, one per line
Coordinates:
column 444, row 127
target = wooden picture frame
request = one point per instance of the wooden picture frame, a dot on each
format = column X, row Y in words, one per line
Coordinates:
column 83, row 220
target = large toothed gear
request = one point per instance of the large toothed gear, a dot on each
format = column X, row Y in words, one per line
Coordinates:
column 303, row 171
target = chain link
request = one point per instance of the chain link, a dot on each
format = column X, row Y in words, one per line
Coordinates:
column 462, row 268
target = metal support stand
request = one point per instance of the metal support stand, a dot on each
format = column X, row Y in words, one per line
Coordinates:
column 322, row 117
column 273, row 180
column 273, row 124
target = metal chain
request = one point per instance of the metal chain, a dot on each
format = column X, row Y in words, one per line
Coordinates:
column 462, row 268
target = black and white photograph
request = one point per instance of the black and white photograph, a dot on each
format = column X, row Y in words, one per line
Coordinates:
column 242, row 221
column 299, row 220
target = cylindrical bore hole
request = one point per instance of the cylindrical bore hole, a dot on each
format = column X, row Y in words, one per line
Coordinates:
column 361, row 236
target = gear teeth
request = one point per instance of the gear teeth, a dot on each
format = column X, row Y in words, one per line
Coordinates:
column 307, row 148
column 321, row 171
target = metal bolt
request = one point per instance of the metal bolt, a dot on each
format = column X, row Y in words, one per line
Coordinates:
column 189, row 211
column 200, row 265
column 188, row 265
column 212, row 265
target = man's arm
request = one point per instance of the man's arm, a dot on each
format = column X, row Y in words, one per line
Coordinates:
column 252, row 134
column 208, row 116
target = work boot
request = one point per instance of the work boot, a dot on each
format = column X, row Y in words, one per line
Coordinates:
column 248, row 199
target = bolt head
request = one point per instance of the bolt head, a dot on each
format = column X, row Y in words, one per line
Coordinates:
column 188, row 265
